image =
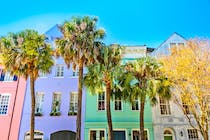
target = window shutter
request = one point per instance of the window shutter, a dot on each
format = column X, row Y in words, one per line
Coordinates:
column 15, row 78
column 2, row 76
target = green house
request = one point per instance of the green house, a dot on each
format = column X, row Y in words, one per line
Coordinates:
column 125, row 115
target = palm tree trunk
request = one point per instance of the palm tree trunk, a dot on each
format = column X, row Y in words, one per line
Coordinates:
column 108, row 112
column 79, row 111
column 141, row 134
column 32, row 106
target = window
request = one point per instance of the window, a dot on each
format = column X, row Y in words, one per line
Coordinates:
column 181, row 44
column 42, row 74
column 56, row 104
column 192, row 134
column 4, row 103
column 5, row 76
column 97, row 135
column 172, row 45
column 186, row 108
column 59, row 70
column 176, row 45
column 73, row 103
column 135, row 104
column 39, row 102
column 164, row 107
column 37, row 135
column 135, row 134
column 168, row 135
column 101, row 101
column 75, row 73
column 118, row 104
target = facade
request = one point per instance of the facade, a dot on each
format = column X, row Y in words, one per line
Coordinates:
column 125, row 116
column 12, row 92
column 169, row 122
column 56, row 102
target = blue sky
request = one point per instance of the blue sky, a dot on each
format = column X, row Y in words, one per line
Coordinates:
column 128, row 22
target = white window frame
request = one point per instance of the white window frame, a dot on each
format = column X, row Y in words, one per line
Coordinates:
column 186, row 109
column 73, row 102
column 59, row 107
column 59, row 70
column 165, row 105
column 192, row 134
column 42, row 75
column 134, row 101
column 97, row 134
column 39, row 102
column 37, row 135
column 101, row 101
column 148, row 137
column 75, row 73
column 8, row 102
column 118, row 100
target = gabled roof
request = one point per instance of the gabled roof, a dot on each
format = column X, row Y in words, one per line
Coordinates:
column 174, row 35
column 53, row 32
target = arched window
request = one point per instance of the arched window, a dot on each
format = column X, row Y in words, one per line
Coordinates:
column 38, row 135
column 168, row 135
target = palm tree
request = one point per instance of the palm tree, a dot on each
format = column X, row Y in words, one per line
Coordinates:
column 143, row 79
column 26, row 54
column 79, row 47
column 104, row 74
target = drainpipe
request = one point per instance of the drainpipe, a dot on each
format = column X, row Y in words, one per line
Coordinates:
column 16, row 92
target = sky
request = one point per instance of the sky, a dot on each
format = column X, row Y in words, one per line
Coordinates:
column 127, row 22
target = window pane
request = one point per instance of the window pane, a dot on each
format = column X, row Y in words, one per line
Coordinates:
column 172, row 45
column 92, row 135
column 136, row 135
column 56, row 102
column 59, row 70
column 164, row 107
column 192, row 134
column 135, row 104
column 39, row 102
column 118, row 104
column 4, row 103
column 73, row 103
column 102, row 135
column 101, row 101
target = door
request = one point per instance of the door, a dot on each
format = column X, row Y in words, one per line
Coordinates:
column 168, row 138
column 119, row 135
column 63, row 135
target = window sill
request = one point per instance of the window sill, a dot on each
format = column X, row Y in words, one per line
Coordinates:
column 55, row 113
column 72, row 113
column 38, row 114
column 58, row 77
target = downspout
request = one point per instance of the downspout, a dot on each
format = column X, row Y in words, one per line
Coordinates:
column 16, row 92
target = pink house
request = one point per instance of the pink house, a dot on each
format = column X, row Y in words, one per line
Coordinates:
column 12, row 92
